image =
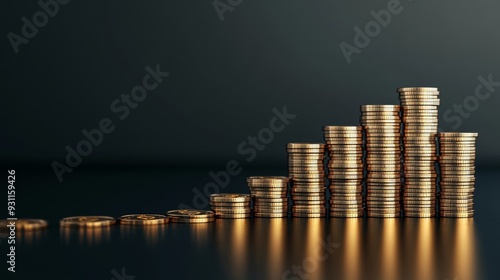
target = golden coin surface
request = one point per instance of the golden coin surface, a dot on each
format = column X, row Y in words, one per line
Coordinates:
column 25, row 224
column 143, row 219
column 305, row 145
column 417, row 89
column 458, row 134
column 267, row 179
column 190, row 213
column 180, row 220
column 366, row 108
column 382, row 215
column 342, row 128
column 233, row 215
column 271, row 215
column 230, row 204
column 308, row 215
column 87, row 221
column 456, row 215
column 229, row 197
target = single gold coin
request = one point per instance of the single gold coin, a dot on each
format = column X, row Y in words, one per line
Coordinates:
column 233, row 215
column 143, row 219
column 24, row 224
column 305, row 146
column 335, row 214
column 457, row 134
column 456, row 215
column 271, row 215
column 229, row 197
column 87, row 221
column 382, row 215
column 308, row 215
column 365, row 108
column 417, row 89
column 343, row 134
column 267, row 179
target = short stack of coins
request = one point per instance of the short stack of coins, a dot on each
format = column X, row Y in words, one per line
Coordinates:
column 307, row 172
column 457, row 154
column 382, row 125
column 270, row 194
column 345, row 170
column 231, row 205
column 420, row 123
column 190, row 216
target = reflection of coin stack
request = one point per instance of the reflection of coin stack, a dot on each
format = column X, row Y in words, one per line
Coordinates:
column 420, row 120
column 229, row 205
column 457, row 154
column 270, row 196
column 383, row 159
column 345, row 148
column 306, row 169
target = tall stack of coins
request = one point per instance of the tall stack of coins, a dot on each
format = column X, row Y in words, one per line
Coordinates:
column 231, row 205
column 191, row 216
column 382, row 125
column 457, row 154
column 306, row 169
column 270, row 196
column 420, row 120
column 345, row 168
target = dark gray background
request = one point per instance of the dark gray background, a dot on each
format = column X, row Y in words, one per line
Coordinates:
column 227, row 76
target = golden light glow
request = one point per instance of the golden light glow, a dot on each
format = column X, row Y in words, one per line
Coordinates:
column 277, row 247
column 465, row 255
column 86, row 236
column 352, row 249
column 425, row 244
column 389, row 252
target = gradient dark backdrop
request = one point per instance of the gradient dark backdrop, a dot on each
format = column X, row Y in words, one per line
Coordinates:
column 225, row 79
column 226, row 76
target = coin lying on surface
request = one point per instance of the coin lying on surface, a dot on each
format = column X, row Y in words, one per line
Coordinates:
column 143, row 219
column 87, row 221
column 25, row 224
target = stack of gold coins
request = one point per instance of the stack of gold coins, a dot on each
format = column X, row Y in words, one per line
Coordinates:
column 231, row 205
column 457, row 154
column 345, row 168
column 382, row 125
column 270, row 194
column 191, row 216
column 420, row 121
column 306, row 169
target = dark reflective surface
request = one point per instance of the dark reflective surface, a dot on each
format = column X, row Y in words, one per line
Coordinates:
column 257, row 248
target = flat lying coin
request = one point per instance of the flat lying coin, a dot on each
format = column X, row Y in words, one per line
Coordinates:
column 143, row 219
column 25, row 224
column 87, row 221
